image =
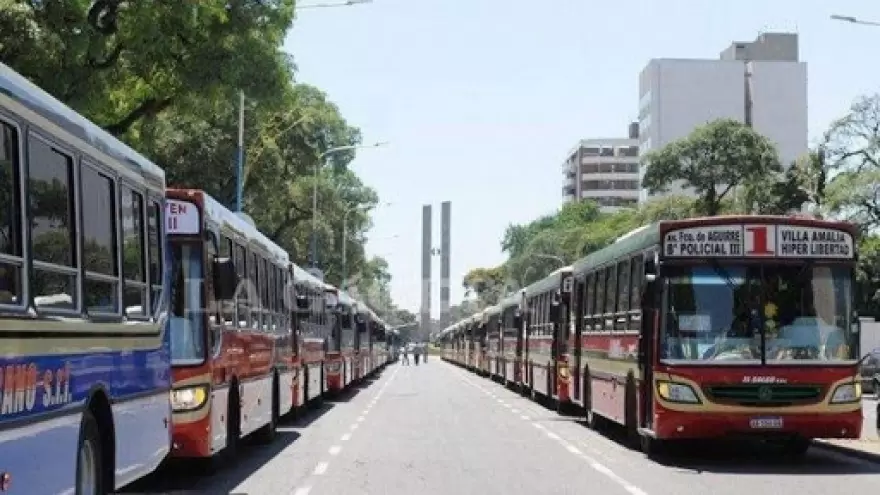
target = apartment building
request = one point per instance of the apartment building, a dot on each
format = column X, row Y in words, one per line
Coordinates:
column 761, row 83
column 605, row 170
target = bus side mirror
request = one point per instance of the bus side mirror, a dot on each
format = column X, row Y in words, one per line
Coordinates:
column 302, row 302
column 518, row 320
column 225, row 279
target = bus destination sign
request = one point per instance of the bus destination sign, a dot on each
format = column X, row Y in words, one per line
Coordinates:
column 181, row 217
column 758, row 240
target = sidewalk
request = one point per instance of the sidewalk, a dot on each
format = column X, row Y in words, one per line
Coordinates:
column 867, row 447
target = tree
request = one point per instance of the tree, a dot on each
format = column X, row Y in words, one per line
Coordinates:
column 123, row 61
column 712, row 160
column 485, row 283
column 854, row 160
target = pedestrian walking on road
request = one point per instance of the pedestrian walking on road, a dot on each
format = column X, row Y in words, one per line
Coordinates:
column 405, row 356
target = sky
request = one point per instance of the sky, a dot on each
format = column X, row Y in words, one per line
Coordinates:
column 480, row 100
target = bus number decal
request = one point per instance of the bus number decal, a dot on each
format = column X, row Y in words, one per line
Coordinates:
column 21, row 384
column 784, row 241
column 181, row 217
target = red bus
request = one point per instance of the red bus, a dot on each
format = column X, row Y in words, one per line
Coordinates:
column 708, row 327
column 314, row 324
column 338, row 363
column 223, row 332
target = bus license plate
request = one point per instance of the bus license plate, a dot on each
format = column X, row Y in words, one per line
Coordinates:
column 766, row 423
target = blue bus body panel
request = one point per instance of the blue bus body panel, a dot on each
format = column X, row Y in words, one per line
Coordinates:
column 40, row 413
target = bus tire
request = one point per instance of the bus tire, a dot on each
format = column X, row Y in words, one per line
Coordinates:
column 90, row 473
column 266, row 434
column 233, row 421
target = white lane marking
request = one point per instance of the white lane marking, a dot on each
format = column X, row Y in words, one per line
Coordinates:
column 354, row 426
column 506, row 405
column 361, row 419
column 524, row 417
column 539, row 426
column 345, row 437
column 574, row 450
column 515, row 411
column 303, row 490
column 551, row 435
column 321, row 468
column 335, row 450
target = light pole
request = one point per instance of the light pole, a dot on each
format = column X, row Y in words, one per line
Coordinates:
column 345, row 243
column 853, row 20
column 318, row 163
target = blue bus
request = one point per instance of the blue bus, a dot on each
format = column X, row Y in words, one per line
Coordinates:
column 85, row 373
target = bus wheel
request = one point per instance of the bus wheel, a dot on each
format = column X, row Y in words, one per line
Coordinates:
column 233, row 425
column 796, row 446
column 651, row 447
column 89, row 465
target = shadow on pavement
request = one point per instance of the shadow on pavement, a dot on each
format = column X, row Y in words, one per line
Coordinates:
column 187, row 477
column 745, row 457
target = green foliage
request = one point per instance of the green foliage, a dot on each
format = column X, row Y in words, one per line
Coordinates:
column 166, row 77
column 712, row 161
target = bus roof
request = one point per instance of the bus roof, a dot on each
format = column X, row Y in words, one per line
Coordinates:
column 222, row 215
column 548, row 283
column 33, row 97
column 302, row 275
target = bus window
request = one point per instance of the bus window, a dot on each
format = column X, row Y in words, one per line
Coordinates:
column 133, row 258
column 187, row 335
column 99, row 242
column 12, row 261
column 154, row 242
column 51, row 199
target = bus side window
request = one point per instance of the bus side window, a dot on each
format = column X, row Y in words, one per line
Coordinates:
column 134, row 280
column 154, row 252
column 100, row 249
column 226, row 309
column 213, row 308
column 53, row 226
column 11, row 205
column 242, row 315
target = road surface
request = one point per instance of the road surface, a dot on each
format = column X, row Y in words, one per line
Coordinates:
column 436, row 429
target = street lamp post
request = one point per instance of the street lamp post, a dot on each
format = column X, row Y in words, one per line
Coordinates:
column 318, row 163
column 853, row 20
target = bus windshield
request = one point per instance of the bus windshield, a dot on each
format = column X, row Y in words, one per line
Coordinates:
column 187, row 325
column 720, row 312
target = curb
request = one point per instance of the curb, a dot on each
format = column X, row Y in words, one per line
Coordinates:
column 848, row 451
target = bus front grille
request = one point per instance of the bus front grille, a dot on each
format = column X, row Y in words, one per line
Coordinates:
column 764, row 395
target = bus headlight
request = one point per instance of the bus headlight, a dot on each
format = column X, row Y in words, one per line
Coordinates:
column 677, row 392
column 189, row 398
column 847, row 392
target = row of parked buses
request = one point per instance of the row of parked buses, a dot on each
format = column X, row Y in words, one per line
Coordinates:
column 139, row 322
column 690, row 329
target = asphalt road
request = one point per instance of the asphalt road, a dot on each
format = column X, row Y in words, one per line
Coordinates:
column 437, row 429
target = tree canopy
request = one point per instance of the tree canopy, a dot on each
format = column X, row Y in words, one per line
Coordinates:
column 165, row 78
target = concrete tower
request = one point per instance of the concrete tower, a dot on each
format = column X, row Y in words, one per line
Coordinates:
column 445, row 211
column 425, row 317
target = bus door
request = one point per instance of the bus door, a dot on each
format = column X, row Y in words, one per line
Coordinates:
column 648, row 331
column 518, row 323
column 577, row 311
